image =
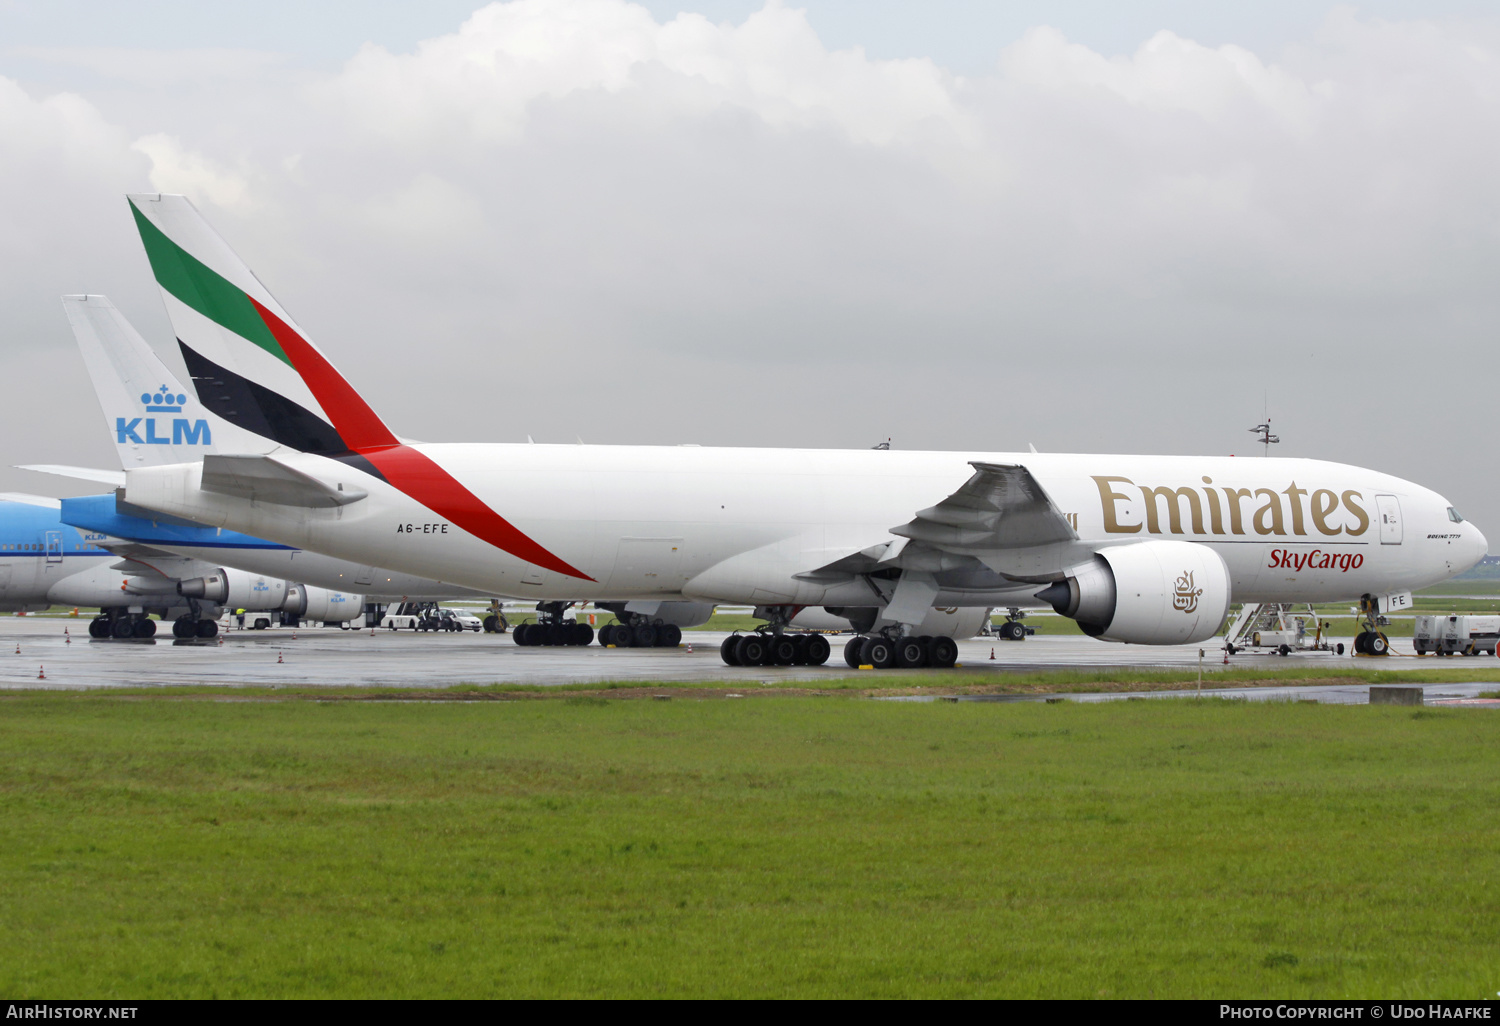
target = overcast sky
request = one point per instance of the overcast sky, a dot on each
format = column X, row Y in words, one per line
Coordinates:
column 1091, row 226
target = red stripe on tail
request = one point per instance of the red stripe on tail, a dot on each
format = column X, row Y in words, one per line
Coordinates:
column 353, row 419
column 405, row 468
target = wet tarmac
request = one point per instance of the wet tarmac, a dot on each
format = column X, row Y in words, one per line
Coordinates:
column 1341, row 694
column 331, row 657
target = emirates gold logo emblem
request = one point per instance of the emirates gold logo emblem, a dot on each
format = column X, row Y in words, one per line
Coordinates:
column 1184, row 595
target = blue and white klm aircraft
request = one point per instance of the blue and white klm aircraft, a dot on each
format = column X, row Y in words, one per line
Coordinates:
column 46, row 562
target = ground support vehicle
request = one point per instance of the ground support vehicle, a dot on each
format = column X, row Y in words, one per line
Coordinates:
column 1274, row 627
column 1446, row 635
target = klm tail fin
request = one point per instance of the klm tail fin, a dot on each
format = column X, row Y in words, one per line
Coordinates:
column 152, row 418
column 250, row 363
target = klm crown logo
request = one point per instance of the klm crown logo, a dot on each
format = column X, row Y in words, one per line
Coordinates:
column 163, row 401
column 184, row 431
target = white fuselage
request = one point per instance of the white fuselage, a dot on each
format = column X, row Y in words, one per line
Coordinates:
column 738, row 525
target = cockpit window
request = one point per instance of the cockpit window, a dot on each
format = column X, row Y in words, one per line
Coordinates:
column 1455, row 516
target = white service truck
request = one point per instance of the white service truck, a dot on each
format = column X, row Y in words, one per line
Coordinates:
column 1445, row 635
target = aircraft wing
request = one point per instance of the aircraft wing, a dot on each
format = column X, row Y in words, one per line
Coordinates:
column 1001, row 507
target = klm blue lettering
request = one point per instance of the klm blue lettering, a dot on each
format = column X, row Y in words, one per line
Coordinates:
column 186, row 432
column 151, row 438
column 126, row 432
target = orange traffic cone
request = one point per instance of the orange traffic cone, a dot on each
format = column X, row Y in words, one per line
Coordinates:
column 279, row 658
column 690, row 648
column 18, row 648
column 67, row 638
column 221, row 640
column 41, row 673
column 294, row 635
column 1226, row 657
column 992, row 652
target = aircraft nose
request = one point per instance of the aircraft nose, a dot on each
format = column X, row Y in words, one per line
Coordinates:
column 1479, row 547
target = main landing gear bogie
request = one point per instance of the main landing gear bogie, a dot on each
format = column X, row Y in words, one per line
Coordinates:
column 775, row 650
column 189, row 627
column 907, row 653
column 568, row 633
column 122, row 627
column 642, row 635
column 1371, row 643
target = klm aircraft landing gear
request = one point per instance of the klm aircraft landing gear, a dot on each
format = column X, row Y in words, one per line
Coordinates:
column 121, row 625
column 189, row 626
column 1371, row 641
column 551, row 630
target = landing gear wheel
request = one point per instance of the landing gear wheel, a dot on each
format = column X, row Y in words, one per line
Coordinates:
column 669, row 636
column 817, row 650
column 943, row 653
column 1378, row 645
column 645, row 636
column 1230, row 648
column 879, row 653
column 853, row 649
column 206, row 628
column 121, row 627
column 145, row 627
column 583, row 635
column 1361, row 643
column 911, row 653
column 184, row 627
column 522, row 635
column 99, row 627
column 783, row 651
column 752, row 650
column 1012, row 631
column 728, row 650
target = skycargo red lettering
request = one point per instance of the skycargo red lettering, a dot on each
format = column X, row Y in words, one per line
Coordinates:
column 1317, row 559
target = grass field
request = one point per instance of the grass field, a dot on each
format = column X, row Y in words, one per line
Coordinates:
column 799, row 846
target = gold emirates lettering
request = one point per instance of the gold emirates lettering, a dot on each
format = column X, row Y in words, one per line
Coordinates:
column 1168, row 510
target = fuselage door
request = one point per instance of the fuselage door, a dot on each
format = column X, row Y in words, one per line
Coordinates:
column 54, row 547
column 1390, row 519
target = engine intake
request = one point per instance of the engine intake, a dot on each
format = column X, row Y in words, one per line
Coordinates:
column 1150, row 593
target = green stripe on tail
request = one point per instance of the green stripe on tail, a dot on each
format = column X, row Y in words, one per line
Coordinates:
column 204, row 289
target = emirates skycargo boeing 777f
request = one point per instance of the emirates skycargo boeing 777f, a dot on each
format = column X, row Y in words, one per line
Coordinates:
column 1139, row 549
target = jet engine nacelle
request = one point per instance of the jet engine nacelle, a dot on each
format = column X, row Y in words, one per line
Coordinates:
column 237, row 589
column 321, row 604
column 1150, row 593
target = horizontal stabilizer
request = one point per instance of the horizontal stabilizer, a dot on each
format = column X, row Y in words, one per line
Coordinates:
column 113, row 478
column 265, row 479
column 27, row 499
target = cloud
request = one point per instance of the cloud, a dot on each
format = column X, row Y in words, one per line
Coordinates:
column 565, row 217
column 176, row 169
